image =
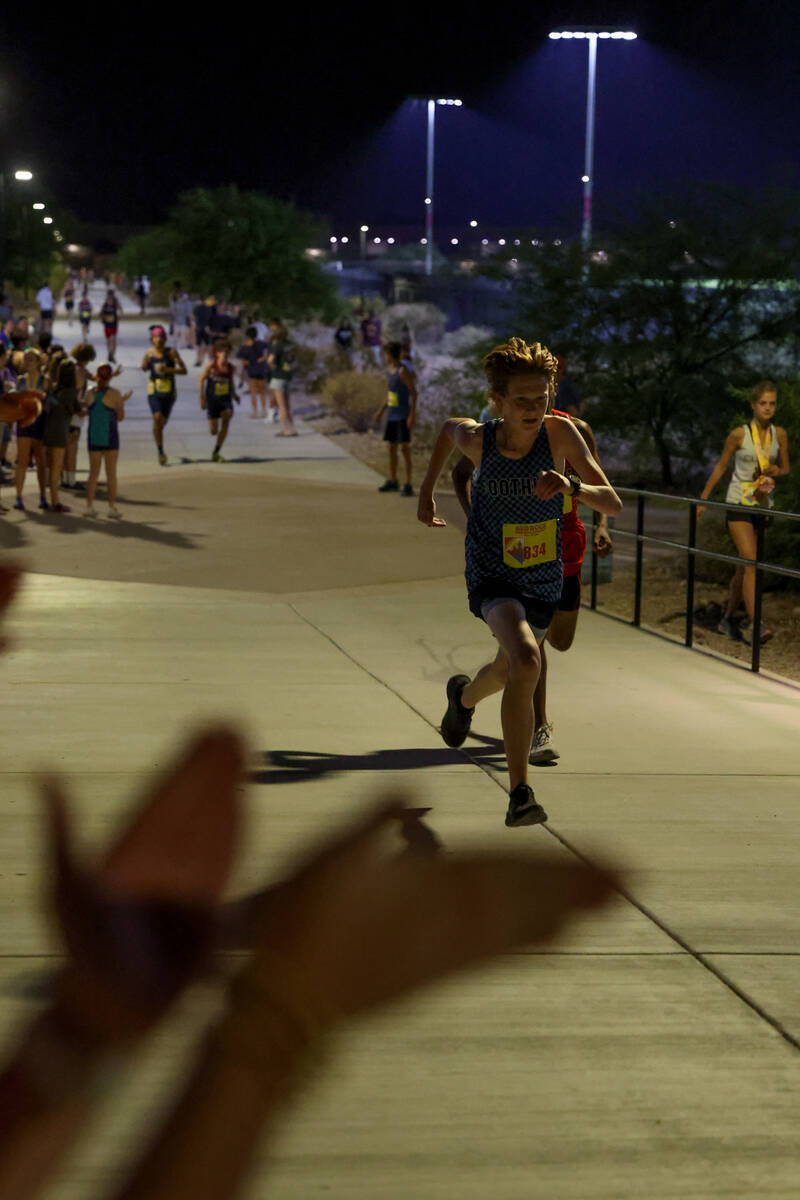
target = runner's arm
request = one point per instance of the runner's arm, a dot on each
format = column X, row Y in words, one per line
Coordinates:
column 596, row 491
column 146, row 360
column 410, row 382
column 179, row 366
column 733, row 442
column 775, row 470
column 461, row 476
column 463, row 432
column 601, row 537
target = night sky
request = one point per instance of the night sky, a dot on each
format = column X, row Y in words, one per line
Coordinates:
column 315, row 108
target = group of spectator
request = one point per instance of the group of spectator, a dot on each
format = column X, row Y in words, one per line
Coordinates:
column 370, row 331
column 50, row 443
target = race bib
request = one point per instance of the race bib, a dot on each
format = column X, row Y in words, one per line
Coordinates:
column 163, row 385
column 529, row 545
column 221, row 387
column 393, row 400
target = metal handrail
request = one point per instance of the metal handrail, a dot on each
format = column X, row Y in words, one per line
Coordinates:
column 693, row 552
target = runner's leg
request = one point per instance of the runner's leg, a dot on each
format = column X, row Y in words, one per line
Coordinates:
column 508, row 624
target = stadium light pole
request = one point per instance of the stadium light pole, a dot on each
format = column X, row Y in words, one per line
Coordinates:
column 429, row 178
column 592, row 34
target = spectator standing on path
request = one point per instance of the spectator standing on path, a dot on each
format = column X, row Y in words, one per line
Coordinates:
column 8, row 381
column 371, row 335
column 85, row 313
column 30, row 438
column 253, row 353
column 280, row 361
column 62, row 405
column 513, row 545
column 182, row 320
column 68, row 296
column 106, row 408
column 217, row 394
column 400, row 407
column 202, row 314
column 343, row 337
column 162, row 365
column 141, row 294
column 145, row 286
column 760, row 454
column 47, row 304
column 407, row 343
column 109, row 315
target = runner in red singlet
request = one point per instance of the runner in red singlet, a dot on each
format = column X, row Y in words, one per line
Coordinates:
column 561, row 632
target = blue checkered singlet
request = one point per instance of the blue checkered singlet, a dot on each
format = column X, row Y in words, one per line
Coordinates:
column 509, row 527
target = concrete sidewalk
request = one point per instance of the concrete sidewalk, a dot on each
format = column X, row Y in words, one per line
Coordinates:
column 653, row 1053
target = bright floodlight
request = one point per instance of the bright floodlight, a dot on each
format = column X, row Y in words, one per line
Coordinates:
column 390, row 241
column 428, row 200
column 423, row 241
column 333, row 241
column 23, row 176
column 584, row 178
column 457, row 103
column 377, row 241
column 47, row 220
column 474, row 224
column 627, row 34
column 365, row 228
column 453, row 241
column 484, row 241
column 39, row 207
column 345, row 240
column 501, row 242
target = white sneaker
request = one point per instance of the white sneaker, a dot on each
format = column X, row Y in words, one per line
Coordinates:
column 90, row 512
column 543, row 750
column 113, row 511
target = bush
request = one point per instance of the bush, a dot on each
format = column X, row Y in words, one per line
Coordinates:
column 451, row 391
column 467, row 339
column 355, row 396
column 425, row 321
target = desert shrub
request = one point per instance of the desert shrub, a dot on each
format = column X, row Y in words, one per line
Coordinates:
column 467, row 339
column 425, row 321
column 457, row 390
column 355, row 396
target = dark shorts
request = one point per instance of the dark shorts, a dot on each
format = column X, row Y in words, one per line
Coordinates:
column 538, row 613
column 259, row 374
column 110, row 330
column 35, row 430
column 397, row 431
column 217, row 405
column 161, row 404
column 86, row 322
column 113, row 443
column 749, row 517
column 69, row 305
column 46, row 314
column 570, row 594
column 202, row 337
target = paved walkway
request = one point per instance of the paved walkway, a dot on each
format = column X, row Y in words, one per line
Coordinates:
column 653, row 1054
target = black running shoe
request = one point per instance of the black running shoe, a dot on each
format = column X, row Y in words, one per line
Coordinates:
column 391, row 485
column 523, row 809
column 457, row 720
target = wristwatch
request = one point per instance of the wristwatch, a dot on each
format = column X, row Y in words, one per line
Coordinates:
column 576, row 484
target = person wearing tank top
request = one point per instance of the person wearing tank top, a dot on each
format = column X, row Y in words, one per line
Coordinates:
column 106, row 408
column 760, row 455
column 400, row 407
column 513, row 543
column 162, row 364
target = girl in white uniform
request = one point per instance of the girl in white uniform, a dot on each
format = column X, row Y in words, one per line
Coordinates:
column 760, row 453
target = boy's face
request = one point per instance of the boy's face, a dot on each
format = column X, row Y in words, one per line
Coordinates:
column 525, row 403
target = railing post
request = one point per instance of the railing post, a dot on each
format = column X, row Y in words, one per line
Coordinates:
column 595, row 516
column 755, row 661
column 637, row 598
column 690, row 574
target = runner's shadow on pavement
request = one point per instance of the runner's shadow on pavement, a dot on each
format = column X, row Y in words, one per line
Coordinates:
column 77, row 523
column 12, row 534
column 301, row 766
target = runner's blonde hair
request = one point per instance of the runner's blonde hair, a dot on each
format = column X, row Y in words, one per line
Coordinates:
column 517, row 357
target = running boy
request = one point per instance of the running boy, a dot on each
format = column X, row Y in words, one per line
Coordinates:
column 400, row 407
column 513, row 543
column 162, row 365
column 561, row 632
column 217, row 394
column 85, row 314
column 109, row 315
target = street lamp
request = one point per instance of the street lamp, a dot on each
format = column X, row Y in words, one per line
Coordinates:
column 450, row 103
column 23, row 176
column 38, row 207
column 591, row 34
column 47, row 220
column 364, row 231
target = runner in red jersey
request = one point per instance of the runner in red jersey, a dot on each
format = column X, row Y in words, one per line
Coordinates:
column 561, row 632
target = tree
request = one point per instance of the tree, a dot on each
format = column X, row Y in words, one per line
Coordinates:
column 239, row 245
column 683, row 302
